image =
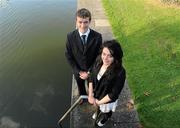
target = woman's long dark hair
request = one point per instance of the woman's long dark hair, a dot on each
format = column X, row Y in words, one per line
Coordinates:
column 115, row 49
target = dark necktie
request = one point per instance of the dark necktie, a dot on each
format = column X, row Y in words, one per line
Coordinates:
column 84, row 39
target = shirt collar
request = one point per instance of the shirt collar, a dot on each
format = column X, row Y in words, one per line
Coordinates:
column 86, row 33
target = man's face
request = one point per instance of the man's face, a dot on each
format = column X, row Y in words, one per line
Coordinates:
column 82, row 24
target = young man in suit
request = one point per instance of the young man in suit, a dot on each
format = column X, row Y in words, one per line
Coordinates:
column 82, row 48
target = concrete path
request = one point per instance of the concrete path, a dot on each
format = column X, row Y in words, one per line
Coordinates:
column 125, row 116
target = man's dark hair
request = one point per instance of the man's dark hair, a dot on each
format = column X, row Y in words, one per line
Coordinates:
column 83, row 13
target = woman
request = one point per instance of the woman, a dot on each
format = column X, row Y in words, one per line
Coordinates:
column 106, row 81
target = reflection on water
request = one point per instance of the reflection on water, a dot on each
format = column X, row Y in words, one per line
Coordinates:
column 6, row 122
column 35, row 79
column 3, row 3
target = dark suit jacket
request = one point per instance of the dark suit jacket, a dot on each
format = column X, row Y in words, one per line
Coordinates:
column 79, row 57
column 111, row 83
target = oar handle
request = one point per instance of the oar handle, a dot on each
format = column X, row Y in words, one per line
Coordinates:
column 84, row 97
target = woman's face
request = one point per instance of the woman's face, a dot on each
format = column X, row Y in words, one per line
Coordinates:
column 106, row 57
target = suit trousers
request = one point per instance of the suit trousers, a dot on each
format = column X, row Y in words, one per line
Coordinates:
column 80, row 84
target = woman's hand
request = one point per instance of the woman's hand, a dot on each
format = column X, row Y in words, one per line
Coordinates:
column 97, row 102
column 91, row 99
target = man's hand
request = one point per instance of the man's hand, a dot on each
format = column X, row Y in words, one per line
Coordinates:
column 83, row 75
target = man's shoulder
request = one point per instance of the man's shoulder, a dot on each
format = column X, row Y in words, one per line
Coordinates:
column 95, row 32
column 72, row 33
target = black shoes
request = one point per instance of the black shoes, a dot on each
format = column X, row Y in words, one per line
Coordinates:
column 102, row 119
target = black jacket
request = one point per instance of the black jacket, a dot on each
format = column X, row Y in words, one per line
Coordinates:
column 80, row 57
column 111, row 83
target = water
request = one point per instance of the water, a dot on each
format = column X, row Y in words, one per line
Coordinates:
column 35, row 79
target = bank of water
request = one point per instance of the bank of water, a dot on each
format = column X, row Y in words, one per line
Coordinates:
column 35, row 79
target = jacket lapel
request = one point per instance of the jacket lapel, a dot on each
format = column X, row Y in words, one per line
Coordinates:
column 90, row 40
column 79, row 41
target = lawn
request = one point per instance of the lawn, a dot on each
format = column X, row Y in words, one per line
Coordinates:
column 149, row 33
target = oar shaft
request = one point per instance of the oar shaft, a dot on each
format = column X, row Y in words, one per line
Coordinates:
column 72, row 107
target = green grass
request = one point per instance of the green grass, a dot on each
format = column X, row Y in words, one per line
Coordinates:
column 150, row 38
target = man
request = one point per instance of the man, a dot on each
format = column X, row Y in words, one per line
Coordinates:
column 82, row 48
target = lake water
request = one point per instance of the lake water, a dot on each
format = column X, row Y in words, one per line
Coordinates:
column 35, row 78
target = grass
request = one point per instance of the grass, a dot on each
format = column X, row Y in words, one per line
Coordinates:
column 149, row 33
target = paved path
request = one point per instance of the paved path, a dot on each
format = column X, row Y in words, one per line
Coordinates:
column 125, row 116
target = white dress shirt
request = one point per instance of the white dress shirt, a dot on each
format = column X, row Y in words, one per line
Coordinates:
column 86, row 33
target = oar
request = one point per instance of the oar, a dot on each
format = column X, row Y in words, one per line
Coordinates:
column 71, row 108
